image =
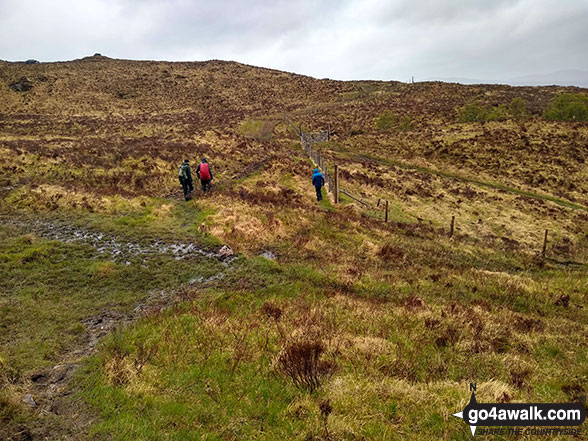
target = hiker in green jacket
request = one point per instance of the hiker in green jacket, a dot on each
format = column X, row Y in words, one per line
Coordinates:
column 185, row 177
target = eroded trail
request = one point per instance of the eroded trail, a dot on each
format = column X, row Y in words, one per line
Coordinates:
column 49, row 392
column 119, row 248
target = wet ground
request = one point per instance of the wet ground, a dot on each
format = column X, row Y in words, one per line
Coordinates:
column 50, row 391
column 119, row 248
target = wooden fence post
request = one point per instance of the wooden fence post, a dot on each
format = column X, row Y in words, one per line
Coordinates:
column 336, row 184
column 452, row 226
column 544, row 244
column 329, row 132
column 386, row 211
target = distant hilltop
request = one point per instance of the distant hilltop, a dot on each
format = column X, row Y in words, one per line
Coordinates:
column 571, row 77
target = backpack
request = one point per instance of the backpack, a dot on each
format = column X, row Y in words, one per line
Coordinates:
column 204, row 171
column 182, row 174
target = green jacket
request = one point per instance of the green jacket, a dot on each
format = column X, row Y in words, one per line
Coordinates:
column 184, row 173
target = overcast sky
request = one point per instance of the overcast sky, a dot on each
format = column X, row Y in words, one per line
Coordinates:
column 367, row 39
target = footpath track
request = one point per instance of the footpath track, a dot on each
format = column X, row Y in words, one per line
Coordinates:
column 50, row 391
column 117, row 247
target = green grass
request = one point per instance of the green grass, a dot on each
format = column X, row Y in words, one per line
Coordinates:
column 404, row 344
column 213, row 375
column 257, row 129
column 460, row 178
column 48, row 287
column 154, row 218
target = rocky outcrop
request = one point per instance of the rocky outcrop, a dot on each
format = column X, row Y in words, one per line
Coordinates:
column 22, row 85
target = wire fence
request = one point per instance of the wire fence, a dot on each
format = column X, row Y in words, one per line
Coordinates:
column 307, row 139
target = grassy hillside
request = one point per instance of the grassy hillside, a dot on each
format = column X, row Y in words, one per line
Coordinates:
column 122, row 319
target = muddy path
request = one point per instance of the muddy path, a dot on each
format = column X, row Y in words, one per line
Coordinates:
column 120, row 249
column 49, row 393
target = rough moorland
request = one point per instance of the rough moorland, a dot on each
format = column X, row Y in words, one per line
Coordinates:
column 120, row 317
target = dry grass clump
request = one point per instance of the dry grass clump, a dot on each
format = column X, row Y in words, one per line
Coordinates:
column 306, row 333
column 301, row 361
column 247, row 228
column 271, row 310
column 391, row 252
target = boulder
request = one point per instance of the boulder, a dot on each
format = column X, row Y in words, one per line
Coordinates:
column 29, row 400
column 225, row 252
column 31, row 61
column 22, row 85
column 268, row 255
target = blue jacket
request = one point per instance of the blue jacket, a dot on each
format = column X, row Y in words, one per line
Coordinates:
column 317, row 178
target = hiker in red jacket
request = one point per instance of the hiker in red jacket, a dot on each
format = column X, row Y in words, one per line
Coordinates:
column 204, row 174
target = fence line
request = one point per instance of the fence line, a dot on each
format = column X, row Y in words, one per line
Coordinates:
column 306, row 140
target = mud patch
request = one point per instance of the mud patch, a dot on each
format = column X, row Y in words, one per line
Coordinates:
column 57, row 413
column 119, row 248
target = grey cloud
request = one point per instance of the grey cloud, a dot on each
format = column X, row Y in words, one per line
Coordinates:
column 439, row 11
column 378, row 39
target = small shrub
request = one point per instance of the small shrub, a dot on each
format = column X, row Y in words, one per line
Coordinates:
column 387, row 120
column 326, row 409
column 406, row 124
column 576, row 391
column 568, row 107
column 447, row 336
column 391, row 252
column 472, row 112
column 497, row 113
column 143, row 355
column 518, row 108
column 519, row 376
column 271, row 310
column 301, row 361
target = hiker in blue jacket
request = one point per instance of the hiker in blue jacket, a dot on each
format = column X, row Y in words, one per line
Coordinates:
column 318, row 181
